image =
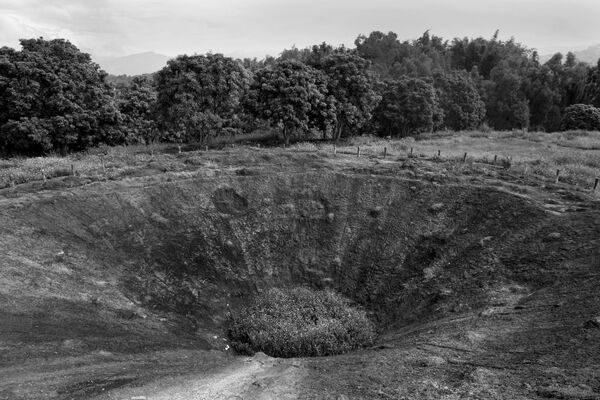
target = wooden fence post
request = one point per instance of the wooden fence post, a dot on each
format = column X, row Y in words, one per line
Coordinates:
column 179, row 149
column 358, row 151
column 465, row 157
column 411, row 151
column 557, row 175
column 439, row 153
column 334, row 150
column 595, row 185
column 72, row 170
column 495, row 158
column 384, row 152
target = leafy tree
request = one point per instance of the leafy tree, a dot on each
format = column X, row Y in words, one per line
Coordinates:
column 507, row 107
column 460, row 100
column 200, row 96
column 592, row 86
column 383, row 50
column 54, row 98
column 352, row 87
column 137, row 104
column 542, row 89
column 581, row 116
column 485, row 54
column 408, row 106
column 289, row 93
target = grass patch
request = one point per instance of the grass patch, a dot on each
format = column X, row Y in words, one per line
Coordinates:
column 299, row 322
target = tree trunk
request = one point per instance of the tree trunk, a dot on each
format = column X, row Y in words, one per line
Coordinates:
column 286, row 136
column 338, row 131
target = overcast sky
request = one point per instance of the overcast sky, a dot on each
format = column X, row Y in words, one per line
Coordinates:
column 257, row 27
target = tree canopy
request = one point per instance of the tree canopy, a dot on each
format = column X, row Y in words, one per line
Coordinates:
column 288, row 93
column 459, row 100
column 352, row 87
column 54, row 98
column 200, row 96
column 408, row 106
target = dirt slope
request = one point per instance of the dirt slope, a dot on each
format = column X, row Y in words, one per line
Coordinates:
column 482, row 286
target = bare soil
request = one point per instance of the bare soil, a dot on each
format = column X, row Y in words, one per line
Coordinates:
column 483, row 282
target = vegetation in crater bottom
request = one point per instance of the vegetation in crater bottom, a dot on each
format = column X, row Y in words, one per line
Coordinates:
column 299, row 322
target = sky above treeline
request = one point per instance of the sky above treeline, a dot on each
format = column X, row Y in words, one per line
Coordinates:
column 254, row 28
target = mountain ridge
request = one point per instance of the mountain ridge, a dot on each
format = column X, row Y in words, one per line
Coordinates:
column 133, row 64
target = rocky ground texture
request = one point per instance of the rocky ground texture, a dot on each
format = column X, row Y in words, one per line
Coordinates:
column 483, row 282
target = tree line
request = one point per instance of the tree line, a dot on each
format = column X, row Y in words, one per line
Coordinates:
column 54, row 98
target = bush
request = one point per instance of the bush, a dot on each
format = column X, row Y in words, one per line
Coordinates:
column 581, row 116
column 299, row 322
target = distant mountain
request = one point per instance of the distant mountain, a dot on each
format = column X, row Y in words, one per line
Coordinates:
column 134, row 64
column 589, row 55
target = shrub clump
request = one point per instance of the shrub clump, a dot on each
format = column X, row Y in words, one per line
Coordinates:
column 299, row 322
column 581, row 116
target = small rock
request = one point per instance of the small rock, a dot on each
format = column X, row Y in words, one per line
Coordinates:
column 486, row 239
column 327, row 282
column 487, row 312
column 60, row 256
column 436, row 207
column 413, row 188
column 429, row 273
column 435, row 361
column 72, row 344
column 553, row 236
column 330, row 217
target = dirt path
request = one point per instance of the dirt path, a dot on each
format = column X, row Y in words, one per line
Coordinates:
column 258, row 377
